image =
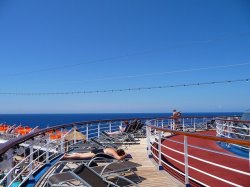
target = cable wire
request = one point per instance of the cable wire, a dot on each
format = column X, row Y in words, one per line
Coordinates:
column 164, row 73
column 125, row 89
column 65, row 66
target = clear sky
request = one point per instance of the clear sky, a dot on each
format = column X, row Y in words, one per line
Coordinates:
column 76, row 45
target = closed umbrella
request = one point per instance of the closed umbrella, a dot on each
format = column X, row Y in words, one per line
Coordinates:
column 79, row 136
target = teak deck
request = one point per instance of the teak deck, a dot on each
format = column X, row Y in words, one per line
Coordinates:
column 149, row 172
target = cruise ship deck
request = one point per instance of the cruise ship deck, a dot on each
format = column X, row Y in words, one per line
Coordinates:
column 166, row 157
column 150, row 174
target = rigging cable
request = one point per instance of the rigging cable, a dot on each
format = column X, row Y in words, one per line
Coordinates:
column 164, row 73
column 125, row 89
column 65, row 66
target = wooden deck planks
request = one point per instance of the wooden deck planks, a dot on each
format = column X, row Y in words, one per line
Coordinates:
column 149, row 172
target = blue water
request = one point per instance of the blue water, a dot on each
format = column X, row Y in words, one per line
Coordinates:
column 234, row 149
column 45, row 120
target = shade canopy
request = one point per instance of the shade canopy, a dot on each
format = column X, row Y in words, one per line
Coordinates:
column 79, row 136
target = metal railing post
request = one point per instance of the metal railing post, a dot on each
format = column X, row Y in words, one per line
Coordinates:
column 74, row 134
column 110, row 126
column 229, row 129
column 62, row 141
column 186, row 161
column 162, row 125
column 47, row 150
column 87, row 131
column 10, row 159
column 148, row 133
column 121, row 125
column 194, row 125
column 183, row 124
column 31, row 159
column 98, row 131
column 159, row 151
column 223, row 128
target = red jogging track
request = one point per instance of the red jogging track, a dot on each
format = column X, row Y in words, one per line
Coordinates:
column 232, row 162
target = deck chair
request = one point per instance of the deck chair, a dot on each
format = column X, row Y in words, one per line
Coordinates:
column 135, row 129
column 119, row 138
column 126, row 134
column 100, row 156
column 105, row 144
column 81, row 150
column 129, row 127
column 87, row 147
column 129, row 136
column 83, row 174
column 139, row 132
column 107, row 158
column 132, row 129
column 116, row 167
column 84, row 145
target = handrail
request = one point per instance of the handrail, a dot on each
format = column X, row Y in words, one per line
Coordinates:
column 167, row 159
column 234, row 120
column 107, row 124
column 11, row 143
column 207, row 137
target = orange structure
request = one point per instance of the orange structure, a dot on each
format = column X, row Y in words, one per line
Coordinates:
column 4, row 128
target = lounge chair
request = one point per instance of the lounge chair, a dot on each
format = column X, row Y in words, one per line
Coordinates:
column 89, row 146
column 107, row 158
column 84, row 145
column 140, row 131
column 89, row 176
column 105, row 144
column 100, row 157
column 122, row 138
column 82, row 174
column 131, row 132
column 81, row 150
column 116, row 167
column 119, row 138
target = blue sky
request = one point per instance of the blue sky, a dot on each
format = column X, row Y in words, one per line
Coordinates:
column 60, row 46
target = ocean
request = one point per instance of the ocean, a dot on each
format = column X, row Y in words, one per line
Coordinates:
column 48, row 120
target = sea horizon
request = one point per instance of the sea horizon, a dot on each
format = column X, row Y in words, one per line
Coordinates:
column 116, row 113
column 45, row 120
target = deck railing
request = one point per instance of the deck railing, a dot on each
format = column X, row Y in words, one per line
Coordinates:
column 233, row 129
column 23, row 156
column 188, row 123
column 186, row 161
